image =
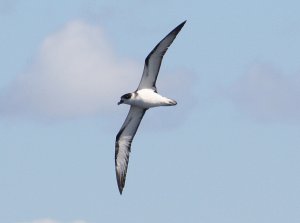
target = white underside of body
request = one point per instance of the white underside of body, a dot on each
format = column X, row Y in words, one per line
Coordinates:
column 148, row 98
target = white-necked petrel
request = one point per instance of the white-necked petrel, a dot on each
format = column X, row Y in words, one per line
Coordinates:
column 143, row 98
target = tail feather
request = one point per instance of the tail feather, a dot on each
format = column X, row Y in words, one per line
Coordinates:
column 171, row 102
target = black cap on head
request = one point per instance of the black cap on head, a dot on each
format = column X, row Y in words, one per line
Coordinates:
column 126, row 96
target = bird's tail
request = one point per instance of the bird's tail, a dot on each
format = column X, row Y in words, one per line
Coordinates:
column 171, row 102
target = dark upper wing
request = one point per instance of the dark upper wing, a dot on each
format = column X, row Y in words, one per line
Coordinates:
column 153, row 60
column 123, row 143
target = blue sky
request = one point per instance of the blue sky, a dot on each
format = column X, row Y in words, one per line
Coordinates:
column 228, row 152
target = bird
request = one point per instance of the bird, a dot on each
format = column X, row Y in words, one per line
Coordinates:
column 143, row 98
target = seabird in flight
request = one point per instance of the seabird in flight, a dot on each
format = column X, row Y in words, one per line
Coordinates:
column 143, row 98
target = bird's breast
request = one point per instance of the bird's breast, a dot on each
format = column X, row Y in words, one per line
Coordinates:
column 147, row 98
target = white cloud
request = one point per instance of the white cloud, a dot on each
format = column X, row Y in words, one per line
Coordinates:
column 76, row 73
column 267, row 94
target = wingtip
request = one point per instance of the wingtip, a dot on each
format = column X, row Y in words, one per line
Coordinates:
column 120, row 187
column 182, row 24
column 179, row 27
column 121, row 184
column 120, row 190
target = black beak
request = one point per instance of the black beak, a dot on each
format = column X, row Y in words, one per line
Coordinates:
column 120, row 102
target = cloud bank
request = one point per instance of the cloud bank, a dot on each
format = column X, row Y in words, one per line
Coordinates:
column 267, row 94
column 75, row 73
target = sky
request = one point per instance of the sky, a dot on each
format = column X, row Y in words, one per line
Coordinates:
column 228, row 152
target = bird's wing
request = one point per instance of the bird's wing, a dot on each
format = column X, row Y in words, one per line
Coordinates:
column 123, row 143
column 153, row 60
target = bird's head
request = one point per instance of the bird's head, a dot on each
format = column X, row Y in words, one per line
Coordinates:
column 125, row 99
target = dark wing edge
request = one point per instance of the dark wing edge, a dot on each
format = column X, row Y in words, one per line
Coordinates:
column 154, row 59
column 123, row 143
